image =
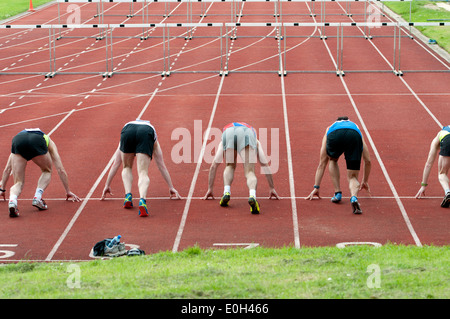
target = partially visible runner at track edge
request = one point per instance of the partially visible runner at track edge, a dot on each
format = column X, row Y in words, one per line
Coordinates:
column 240, row 138
column 35, row 145
column 343, row 137
column 138, row 139
column 440, row 144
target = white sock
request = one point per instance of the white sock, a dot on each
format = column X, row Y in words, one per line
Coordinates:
column 253, row 193
column 227, row 189
column 447, row 191
column 13, row 198
column 39, row 192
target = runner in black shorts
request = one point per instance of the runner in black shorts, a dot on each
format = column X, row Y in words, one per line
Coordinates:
column 32, row 145
column 348, row 142
column 29, row 144
column 138, row 139
column 440, row 144
column 343, row 137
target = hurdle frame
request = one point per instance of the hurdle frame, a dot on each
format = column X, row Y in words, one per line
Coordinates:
column 225, row 36
column 234, row 11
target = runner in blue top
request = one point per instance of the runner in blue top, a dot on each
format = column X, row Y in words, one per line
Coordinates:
column 343, row 137
column 32, row 145
column 441, row 144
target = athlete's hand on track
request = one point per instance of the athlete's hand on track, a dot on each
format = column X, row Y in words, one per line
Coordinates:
column 174, row 194
column 421, row 192
column 273, row 194
column 315, row 192
column 209, row 194
column 107, row 190
column 364, row 185
column 74, row 197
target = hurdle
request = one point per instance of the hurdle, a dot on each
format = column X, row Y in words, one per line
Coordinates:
column 235, row 11
column 396, row 68
column 235, row 6
column 224, row 36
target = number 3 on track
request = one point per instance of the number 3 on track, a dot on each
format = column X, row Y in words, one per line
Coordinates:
column 6, row 253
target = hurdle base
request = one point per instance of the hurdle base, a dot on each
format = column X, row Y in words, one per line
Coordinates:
column 340, row 73
column 165, row 74
column 398, row 73
column 50, row 75
column 107, row 74
column 323, row 37
column 282, row 73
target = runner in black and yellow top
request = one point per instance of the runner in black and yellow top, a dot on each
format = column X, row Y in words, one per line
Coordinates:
column 343, row 137
column 240, row 138
column 34, row 145
column 440, row 144
column 138, row 139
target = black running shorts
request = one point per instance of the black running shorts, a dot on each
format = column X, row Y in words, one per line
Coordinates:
column 137, row 138
column 445, row 146
column 346, row 141
column 29, row 145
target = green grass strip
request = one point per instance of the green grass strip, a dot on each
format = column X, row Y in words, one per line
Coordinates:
column 10, row 8
column 425, row 11
column 359, row 272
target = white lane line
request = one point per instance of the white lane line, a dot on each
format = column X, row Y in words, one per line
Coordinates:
column 197, row 171
column 78, row 213
column 199, row 163
column 62, row 121
column 89, row 195
column 421, row 103
column 383, row 168
column 237, row 198
column 289, row 158
column 401, row 78
column 91, row 191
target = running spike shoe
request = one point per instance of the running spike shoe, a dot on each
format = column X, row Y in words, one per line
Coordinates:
column 337, row 197
column 254, row 206
column 128, row 202
column 13, row 210
column 143, row 212
column 446, row 201
column 355, row 205
column 225, row 199
column 39, row 204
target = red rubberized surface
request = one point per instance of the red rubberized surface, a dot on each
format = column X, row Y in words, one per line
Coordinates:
column 399, row 116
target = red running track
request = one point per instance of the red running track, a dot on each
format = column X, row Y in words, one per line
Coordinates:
column 85, row 113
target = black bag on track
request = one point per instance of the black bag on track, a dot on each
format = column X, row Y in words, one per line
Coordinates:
column 99, row 248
